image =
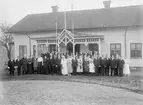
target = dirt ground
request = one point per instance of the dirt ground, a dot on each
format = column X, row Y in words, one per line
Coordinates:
column 60, row 90
column 64, row 93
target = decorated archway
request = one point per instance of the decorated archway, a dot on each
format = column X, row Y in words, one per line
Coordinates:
column 65, row 42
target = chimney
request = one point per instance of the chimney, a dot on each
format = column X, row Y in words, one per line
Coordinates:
column 107, row 3
column 55, row 8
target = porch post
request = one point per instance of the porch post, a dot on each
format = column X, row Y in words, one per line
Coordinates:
column 47, row 45
column 99, row 46
column 58, row 47
column 73, row 49
column 37, row 50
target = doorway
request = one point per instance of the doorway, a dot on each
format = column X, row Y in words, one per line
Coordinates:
column 77, row 48
column 69, row 48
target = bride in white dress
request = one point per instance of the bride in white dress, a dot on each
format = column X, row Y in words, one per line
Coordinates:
column 80, row 67
column 126, row 69
column 91, row 66
column 64, row 66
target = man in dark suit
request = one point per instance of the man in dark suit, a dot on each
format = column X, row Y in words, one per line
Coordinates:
column 121, row 65
column 54, row 64
column 48, row 55
column 95, row 61
column 98, row 65
column 58, row 64
column 45, row 67
column 113, row 65
column 83, row 64
column 107, row 65
column 18, row 64
column 117, row 67
column 74, row 65
column 24, row 65
column 86, row 65
column 29, row 65
column 11, row 67
column 50, row 64
column 102, row 66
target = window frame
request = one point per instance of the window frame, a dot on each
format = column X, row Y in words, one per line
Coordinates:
column 135, row 51
column 115, row 44
column 23, row 46
column 34, row 50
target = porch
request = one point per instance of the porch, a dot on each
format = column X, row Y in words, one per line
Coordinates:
column 71, row 43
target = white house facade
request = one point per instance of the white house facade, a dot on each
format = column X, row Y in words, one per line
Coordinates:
column 107, row 31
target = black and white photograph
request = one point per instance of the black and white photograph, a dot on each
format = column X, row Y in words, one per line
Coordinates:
column 71, row 52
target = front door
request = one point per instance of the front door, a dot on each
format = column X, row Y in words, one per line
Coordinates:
column 77, row 48
column 69, row 48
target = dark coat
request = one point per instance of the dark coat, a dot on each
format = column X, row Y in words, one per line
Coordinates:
column 18, row 63
column 11, row 65
column 99, row 62
column 113, row 63
column 102, row 62
column 121, row 63
column 74, row 62
column 86, row 66
column 107, row 62
column 58, row 61
column 96, row 62
column 24, row 63
column 51, row 61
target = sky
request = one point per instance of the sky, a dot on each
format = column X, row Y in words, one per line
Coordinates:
column 12, row 11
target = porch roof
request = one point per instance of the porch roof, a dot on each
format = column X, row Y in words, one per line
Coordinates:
column 77, row 35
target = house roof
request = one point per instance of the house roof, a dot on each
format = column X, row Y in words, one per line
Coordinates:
column 94, row 18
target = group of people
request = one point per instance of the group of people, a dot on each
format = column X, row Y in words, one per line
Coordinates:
column 65, row 64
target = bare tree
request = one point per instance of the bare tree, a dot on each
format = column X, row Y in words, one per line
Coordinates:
column 6, row 39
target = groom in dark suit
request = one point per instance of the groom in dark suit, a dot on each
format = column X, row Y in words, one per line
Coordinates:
column 113, row 65
column 121, row 66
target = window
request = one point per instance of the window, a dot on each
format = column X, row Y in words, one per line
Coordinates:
column 22, row 51
column 136, row 50
column 42, row 49
column 52, row 47
column 34, row 50
column 115, row 48
column 93, row 47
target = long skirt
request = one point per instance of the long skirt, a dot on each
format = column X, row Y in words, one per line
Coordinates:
column 69, row 67
column 79, row 69
column 64, row 69
column 126, row 69
column 91, row 68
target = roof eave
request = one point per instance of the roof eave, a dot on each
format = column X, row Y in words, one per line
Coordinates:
column 50, row 30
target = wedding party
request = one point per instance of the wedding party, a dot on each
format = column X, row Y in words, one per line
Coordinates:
column 71, row 52
column 69, row 64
